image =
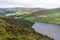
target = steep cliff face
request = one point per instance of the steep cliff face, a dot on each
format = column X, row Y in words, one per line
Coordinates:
column 12, row 29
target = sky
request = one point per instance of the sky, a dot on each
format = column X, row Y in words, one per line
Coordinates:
column 30, row 3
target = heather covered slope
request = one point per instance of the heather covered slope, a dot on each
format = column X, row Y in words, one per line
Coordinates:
column 12, row 20
column 12, row 29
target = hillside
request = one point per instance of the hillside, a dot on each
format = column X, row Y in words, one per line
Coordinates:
column 13, row 10
column 48, row 16
column 25, row 23
column 42, row 15
column 12, row 29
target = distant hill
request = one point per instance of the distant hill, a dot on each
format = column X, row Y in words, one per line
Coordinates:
column 45, row 15
column 13, row 10
column 12, row 29
column 9, row 10
column 34, row 14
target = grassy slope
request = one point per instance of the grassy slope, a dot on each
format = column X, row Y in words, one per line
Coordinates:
column 12, row 29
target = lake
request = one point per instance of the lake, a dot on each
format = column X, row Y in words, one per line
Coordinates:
column 50, row 30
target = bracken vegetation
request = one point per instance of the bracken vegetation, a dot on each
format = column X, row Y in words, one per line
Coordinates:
column 12, row 29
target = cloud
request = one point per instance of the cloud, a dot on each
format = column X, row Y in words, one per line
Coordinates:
column 30, row 3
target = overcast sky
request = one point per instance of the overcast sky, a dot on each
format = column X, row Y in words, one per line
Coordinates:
column 30, row 3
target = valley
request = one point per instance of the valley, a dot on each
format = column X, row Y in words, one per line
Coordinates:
column 17, row 23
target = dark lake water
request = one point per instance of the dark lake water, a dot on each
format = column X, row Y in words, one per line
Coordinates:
column 50, row 30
